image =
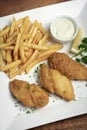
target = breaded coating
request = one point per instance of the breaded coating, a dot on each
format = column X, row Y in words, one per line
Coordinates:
column 56, row 83
column 30, row 95
column 65, row 65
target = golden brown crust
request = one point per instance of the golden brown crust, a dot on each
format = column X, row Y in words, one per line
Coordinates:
column 56, row 83
column 30, row 95
column 45, row 78
column 72, row 69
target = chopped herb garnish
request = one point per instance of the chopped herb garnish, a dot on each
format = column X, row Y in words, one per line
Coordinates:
column 16, row 105
column 36, row 71
column 18, row 101
column 86, row 85
column 65, row 73
column 33, row 90
column 27, row 86
column 41, row 64
column 41, row 102
column 77, row 59
column 51, row 57
column 84, row 59
column 18, row 87
column 33, row 109
column 18, row 114
column 36, row 81
column 27, row 112
column 84, row 40
column 82, row 51
column 64, row 92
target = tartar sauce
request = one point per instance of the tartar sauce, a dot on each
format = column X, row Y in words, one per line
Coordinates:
column 63, row 28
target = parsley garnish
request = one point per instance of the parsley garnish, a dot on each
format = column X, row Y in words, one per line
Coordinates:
column 82, row 51
column 36, row 71
column 18, row 87
column 41, row 64
column 33, row 90
column 86, row 85
column 27, row 112
column 27, row 86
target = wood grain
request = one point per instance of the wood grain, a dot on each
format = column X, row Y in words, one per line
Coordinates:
column 75, row 123
column 13, row 6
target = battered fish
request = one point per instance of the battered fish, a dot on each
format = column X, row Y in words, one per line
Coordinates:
column 65, row 65
column 30, row 95
column 56, row 83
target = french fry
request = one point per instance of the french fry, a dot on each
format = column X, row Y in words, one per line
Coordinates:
column 29, row 53
column 24, row 67
column 9, row 39
column 45, row 37
column 43, row 57
column 17, row 44
column 11, row 65
column 12, row 70
column 3, row 54
column 21, row 52
column 35, row 62
column 1, row 58
column 5, row 35
column 5, row 31
column 23, row 45
column 39, row 25
column 12, row 26
column 2, row 45
column 57, row 46
column 19, row 22
column 16, row 47
column 27, row 24
column 26, row 36
column 1, row 39
column 48, row 53
column 26, row 20
column 35, row 54
column 32, row 28
column 30, row 40
column 37, row 37
column 37, row 47
column 52, row 48
column 8, row 56
column 8, row 48
column 33, row 34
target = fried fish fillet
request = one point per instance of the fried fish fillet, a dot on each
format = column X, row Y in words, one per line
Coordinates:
column 65, row 65
column 30, row 95
column 56, row 83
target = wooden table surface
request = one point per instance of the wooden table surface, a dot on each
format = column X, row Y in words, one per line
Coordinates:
column 13, row 6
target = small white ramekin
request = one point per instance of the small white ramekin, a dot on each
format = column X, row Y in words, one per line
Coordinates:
column 64, row 40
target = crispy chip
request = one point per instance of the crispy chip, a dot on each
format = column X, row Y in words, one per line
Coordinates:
column 23, row 44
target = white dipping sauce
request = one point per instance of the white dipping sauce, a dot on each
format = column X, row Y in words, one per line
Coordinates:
column 63, row 28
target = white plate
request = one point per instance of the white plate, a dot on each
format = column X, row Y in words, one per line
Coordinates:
column 12, row 114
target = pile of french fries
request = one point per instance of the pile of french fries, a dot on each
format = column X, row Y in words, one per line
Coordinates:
column 23, row 44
